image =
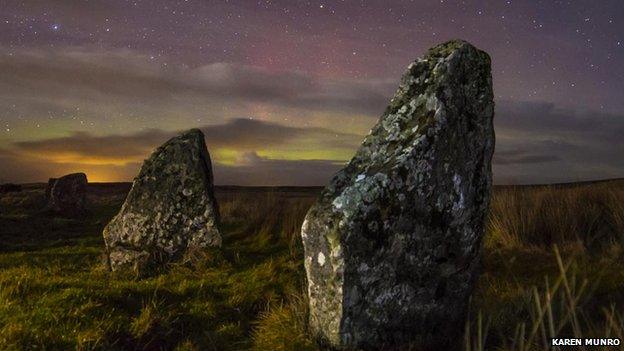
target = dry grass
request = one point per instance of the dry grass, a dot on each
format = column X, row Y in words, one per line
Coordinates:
column 565, row 305
column 544, row 216
column 553, row 267
column 283, row 327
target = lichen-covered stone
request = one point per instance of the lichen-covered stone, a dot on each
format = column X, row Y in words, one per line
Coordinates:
column 170, row 209
column 392, row 246
column 66, row 196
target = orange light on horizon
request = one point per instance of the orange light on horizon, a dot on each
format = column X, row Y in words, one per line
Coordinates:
column 77, row 158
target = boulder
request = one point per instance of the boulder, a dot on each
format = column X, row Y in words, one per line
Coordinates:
column 66, row 196
column 392, row 247
column 170, row 208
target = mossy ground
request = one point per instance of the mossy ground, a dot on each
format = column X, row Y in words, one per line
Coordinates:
column 56, row 295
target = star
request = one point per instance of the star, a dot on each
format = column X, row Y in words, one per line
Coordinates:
column 56, row 27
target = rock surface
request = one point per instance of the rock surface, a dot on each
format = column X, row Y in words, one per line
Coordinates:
column 67, row 195
column 170, row 209
column 392, row 246
column 49, row 187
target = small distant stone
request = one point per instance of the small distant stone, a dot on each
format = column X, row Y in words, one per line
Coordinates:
column 170, row 209
column 66, row 196
column 392, row 246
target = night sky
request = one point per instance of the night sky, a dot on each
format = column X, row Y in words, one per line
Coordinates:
column 286, row 90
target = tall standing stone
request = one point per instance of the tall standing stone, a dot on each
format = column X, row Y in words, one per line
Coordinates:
column 392, row 247
column 66, row 195
column 170, row 208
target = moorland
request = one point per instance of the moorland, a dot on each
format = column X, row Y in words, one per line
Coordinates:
column 552, row 266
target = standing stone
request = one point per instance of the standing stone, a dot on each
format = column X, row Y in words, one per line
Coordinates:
column 392, row 247
column 170, row 208
column 67, row 195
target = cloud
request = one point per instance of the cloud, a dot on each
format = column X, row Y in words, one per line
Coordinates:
column 251, row 170
column 116, row 93
column 238, row 134
column 18, row 168
column 540, row 143
column 536, row 143
column 127, row 78
column 257, row 170
column 539, row 118
column 234, row 146
column 299, row 120
column 293, row 89
column 521, row 157
column 86, row 148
